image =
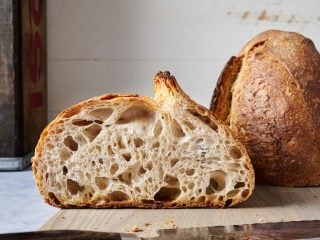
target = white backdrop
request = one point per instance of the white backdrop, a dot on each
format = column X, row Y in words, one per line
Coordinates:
column 101, row 46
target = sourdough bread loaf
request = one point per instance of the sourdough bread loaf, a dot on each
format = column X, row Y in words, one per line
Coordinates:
column 269, row 95
column 130, row 151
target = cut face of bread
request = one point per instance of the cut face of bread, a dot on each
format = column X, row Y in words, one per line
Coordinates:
column 131, row 151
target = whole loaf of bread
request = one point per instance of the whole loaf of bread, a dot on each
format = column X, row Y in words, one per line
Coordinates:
column 269, row 94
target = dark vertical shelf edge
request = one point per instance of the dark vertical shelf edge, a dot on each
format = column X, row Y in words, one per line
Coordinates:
column 7, row 79
column 18, row 78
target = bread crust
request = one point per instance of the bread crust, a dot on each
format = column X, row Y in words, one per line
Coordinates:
column 272, row 104
column 161, row 80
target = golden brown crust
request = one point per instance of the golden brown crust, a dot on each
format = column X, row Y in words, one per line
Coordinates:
column 221, row 100
column 162, row 79
column 275, row 107
column 155, row 205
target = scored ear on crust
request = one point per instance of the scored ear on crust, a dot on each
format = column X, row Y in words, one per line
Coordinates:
column 130, row 151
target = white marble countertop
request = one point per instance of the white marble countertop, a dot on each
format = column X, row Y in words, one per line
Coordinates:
column 21, row 206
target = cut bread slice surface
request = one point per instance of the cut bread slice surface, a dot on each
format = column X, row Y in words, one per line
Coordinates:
column 130, row 151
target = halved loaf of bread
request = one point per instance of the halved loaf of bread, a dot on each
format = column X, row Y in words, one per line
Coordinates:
column 131, row 151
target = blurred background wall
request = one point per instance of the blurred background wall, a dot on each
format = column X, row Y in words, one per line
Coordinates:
column 100, row 46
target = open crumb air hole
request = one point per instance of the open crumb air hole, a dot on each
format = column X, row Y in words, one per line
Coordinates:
column 92, row 131
column 191, row 185
column 172, row 181
column 110, row 150
column 126, row 178
column 174, row 161
column 239, row 185
column 176, row 129
column 53, row 198
column 118, row 196
column 126, row 156
column 166, row 194
column 149, row 166
column 190, row 172
column 228, row 202
column 157, row 129
column 235, row 153
column 74, row 187
column 81, row 122
column 217, row 182
column 205, row 119
column 138, row 142
column 114, row 168
column 71, row 143
column 232, row 193
column 245, row 193
column 136, row 113
column 64, row 170
column 101, row 182
column 101, row 113
column 189, row 125
column 141, row 171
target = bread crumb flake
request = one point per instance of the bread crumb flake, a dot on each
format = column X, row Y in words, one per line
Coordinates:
column 170, row 222
column 136, row 229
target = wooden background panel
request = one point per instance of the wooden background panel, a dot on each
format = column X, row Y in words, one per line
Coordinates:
column 97, row 46
column 8, row 82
